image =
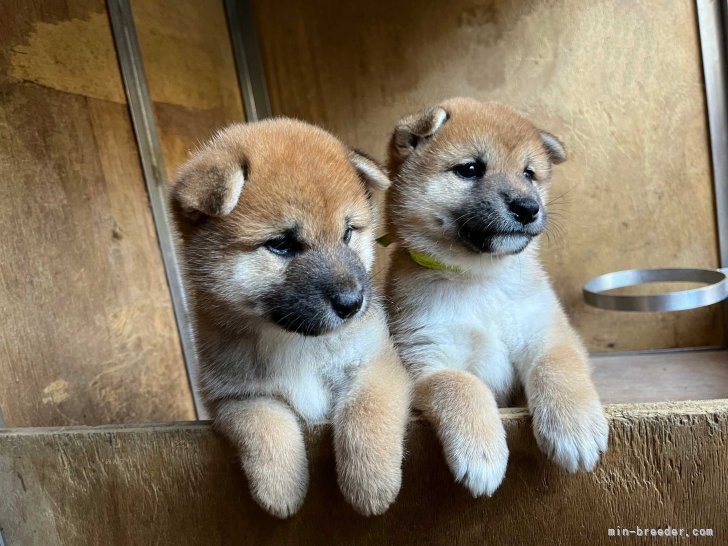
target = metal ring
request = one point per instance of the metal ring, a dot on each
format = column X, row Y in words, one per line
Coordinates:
column 715, row 291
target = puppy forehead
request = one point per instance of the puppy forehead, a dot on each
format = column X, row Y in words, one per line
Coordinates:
column 477, row 127
column 298, row 175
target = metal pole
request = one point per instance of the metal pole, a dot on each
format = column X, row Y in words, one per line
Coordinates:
column 152, row 160
column 712, row 26
column 248, row 62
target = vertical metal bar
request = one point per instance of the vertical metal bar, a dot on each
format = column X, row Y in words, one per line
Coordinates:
column 152, row 160
column 712, row 45
column 248, row 61
column 712, row 27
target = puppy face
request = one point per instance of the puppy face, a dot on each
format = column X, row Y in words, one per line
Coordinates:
column 277, row 226
column 470, row 178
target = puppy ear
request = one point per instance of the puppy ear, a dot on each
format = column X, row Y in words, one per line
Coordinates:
column 412, row 130
column 210, row 182
column 371, row 172
column 554, row 147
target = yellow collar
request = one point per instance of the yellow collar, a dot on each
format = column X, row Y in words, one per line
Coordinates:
column 422, row 259
column 430, row 262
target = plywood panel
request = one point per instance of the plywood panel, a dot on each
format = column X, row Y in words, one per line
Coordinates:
column 87, row 334
column 662, row 376
column 620, row 82
column 190, row 71
column 181, row 484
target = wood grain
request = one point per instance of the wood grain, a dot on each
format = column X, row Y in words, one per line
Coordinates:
column 87, row 334
column 190, row 71
column 181, row 484
column 620, row 83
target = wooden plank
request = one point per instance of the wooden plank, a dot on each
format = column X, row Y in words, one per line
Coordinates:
column 661, row 377
column 180, row 484
column 620, row 83
column 87, row 334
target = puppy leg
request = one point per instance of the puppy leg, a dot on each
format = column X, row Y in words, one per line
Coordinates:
column 369, row 428
column 464, row 413
column 273, row 455
column 568, row 418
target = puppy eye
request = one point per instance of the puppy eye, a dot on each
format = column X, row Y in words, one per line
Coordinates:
column 528, row 173
column 347, row 234
column 284, row 245
column 470, row 170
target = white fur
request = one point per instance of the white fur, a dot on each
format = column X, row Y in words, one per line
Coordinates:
column 236, row 186
column 509, row 302
column 370, row 170
column 309, row 373
column 480, row 474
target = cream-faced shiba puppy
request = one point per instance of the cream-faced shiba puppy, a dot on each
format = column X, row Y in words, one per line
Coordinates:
column 277, row 225
column 473, row 313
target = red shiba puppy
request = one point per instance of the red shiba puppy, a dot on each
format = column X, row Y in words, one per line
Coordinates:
column 277, row 225
column 473, row 313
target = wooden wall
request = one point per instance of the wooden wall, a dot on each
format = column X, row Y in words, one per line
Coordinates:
column 182, row 484
column 87, row 333
column 620, row 82
column 190, row 72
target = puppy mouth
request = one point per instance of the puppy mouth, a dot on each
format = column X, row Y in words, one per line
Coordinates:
column 495, row 241
column 304, row 328
column 316, row 324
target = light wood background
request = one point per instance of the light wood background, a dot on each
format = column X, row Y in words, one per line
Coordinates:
column 190, row 72
column 619, row 82
column 87, row 334
column 181, row 484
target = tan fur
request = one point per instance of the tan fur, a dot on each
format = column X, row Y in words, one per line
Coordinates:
column 474, row 336
column 261, row 376
column 319, row 182
column 270, row 441
column 465, row 416
column 369, row 471
column 560, row 394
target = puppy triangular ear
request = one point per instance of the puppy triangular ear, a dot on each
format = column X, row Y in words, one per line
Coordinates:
column 554, row 147
column 414, row 129
column 210, row 182
column 371, row 172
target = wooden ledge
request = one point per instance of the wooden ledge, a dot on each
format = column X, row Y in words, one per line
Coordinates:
column 179, row 483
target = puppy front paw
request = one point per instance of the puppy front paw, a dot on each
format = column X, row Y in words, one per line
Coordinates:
column 272, row 451
column 369, row 476
column 477, row 460
column 278, row 484
column 572, row 436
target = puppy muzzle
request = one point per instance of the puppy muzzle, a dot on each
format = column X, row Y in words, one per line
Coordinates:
column 506, row 228
column 321, row 292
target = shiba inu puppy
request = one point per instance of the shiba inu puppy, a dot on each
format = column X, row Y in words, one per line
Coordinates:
column 473, row 313
column 277, row 230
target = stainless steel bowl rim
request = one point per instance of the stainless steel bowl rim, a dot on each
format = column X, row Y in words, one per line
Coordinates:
column 714, row 291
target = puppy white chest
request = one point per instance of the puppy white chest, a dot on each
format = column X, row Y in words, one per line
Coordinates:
column 310, row 373
column 492, row 328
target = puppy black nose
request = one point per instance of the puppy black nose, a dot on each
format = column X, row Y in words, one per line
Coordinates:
column 347, row 303
column 524, row 209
